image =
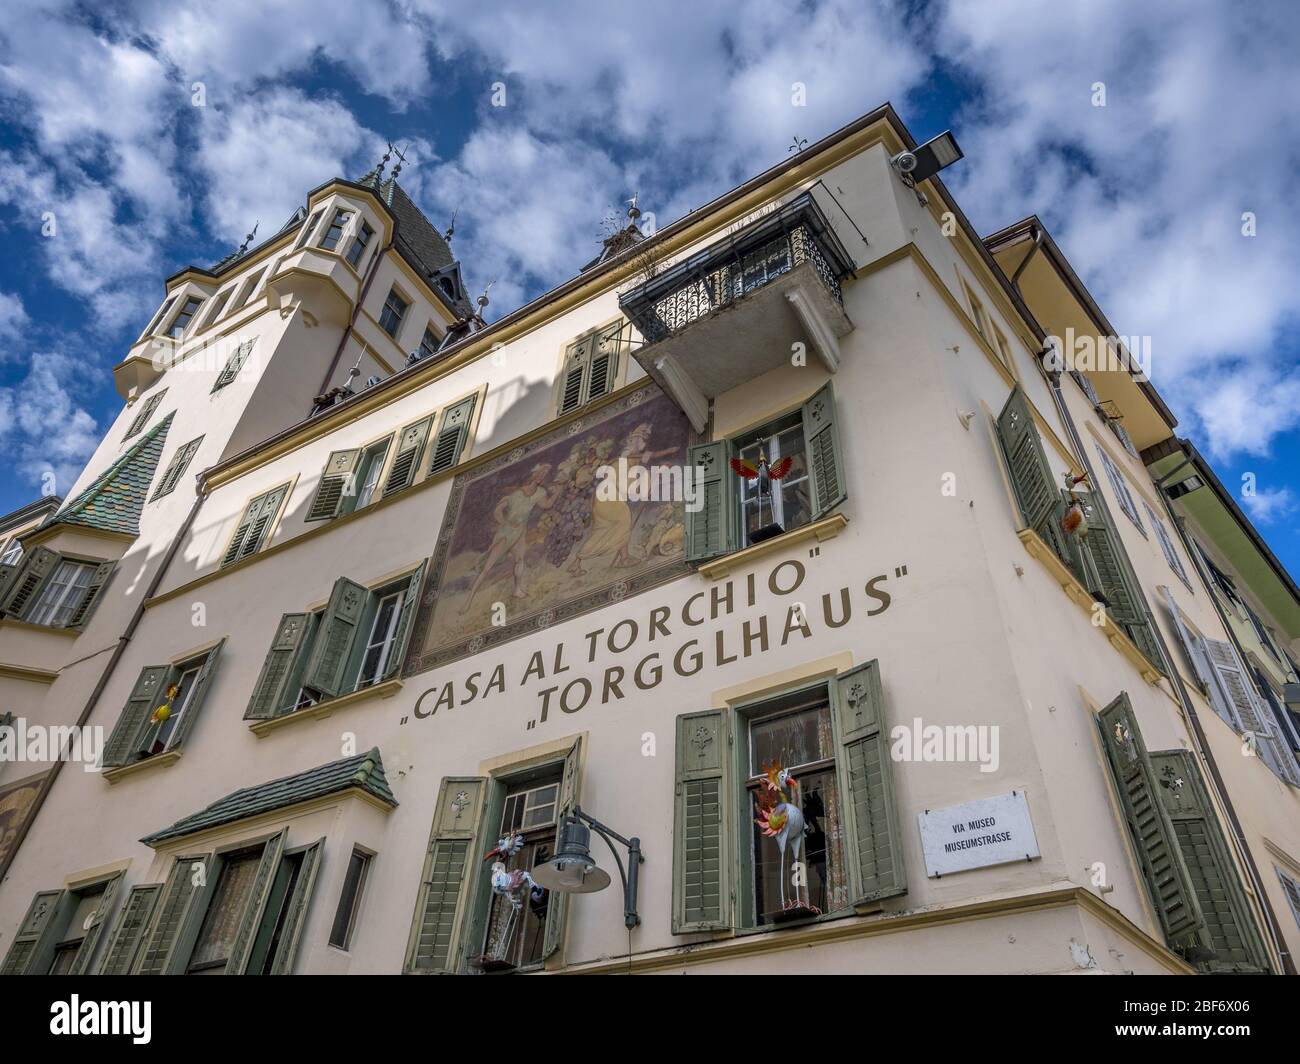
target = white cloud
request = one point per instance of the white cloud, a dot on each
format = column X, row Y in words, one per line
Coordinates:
column 43, row 427
column 1269, row 505
column 14, row 321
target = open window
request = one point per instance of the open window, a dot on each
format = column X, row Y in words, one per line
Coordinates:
column 358, row 640
column 53, row 589
column 767, row 481
column 350, row 481
column 60, row 933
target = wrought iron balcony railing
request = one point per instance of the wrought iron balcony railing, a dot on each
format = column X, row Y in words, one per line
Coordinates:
column 745, row 261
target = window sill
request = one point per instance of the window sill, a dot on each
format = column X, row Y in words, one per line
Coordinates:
column 170, row 757
column 321, row 710
column 28, row 626
column 1080, row 595
column 826, row 528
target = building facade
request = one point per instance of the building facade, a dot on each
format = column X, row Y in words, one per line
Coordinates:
column 797, row 541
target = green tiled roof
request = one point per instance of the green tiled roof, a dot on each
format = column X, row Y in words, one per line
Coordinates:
column 114, row 501
column 365, row 771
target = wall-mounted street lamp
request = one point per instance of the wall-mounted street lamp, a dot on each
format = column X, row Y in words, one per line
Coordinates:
column 926, row 160
column 573, row 871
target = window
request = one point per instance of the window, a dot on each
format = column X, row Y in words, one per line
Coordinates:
column 1122, row 494
column 406, row 461
column 977, row 312
column 146, row 412
column 239, row 912
column 184, row 316
column 428, row 343
column 305, row 233
column 1167, row 545
column 233, row 365
column 60, row 933
column 1291, row 887
column 815, row 785
column 162, row 313
column 1000, row 342
column 358, row 640
column 335, row 231
column 12, row 553
column 62, row 594
column 246, row 290
column 390, row 318
column 1265, row 635
column 349, row 481
column 161, row 710
column 345, row 916
column 218, row 303
column 176, row 468
column 359, row 243
column 1221, row 580
column 255, row 525
column 47, row 588
column 1184, row 858
column 453, row 433
column 738, row 510
column 591, row 366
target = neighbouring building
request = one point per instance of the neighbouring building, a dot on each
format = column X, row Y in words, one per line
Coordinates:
column 841, row 560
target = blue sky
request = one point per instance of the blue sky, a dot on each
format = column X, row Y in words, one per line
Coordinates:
column 99, row 129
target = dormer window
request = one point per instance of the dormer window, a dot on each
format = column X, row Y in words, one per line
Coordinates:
column 335, row 232
column 390, row 320
column 359, row 243
column 183, row 318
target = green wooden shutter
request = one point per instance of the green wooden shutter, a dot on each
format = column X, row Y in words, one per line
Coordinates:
column 176, row 468
column 604, row 362
column 175, row 916
column 128, row 931
column 122, row 743
column 557, row 907
column 142, row 418
column 90, row 597
column 261, row 525
column 702, row 858
column 270, row 695
column 410, row 445
column 233, row 365
column 197, row 694
column 24, row 585
column 1252, row 715
column 435, row 944
column 711, row 530
column 576, row 360
column 334, row 481
column 255, row 908
column 295, row 909
column 452, row 435
column 1115, row 580
column 865, row 777
column 1159, row 855
column 86, row 951
column 402, row 636
column 331, row 650
column 1291, row 888
column 828, row 487
column 241, row 531
column 1231, row 934
column 1031, row 476
column 34, row 941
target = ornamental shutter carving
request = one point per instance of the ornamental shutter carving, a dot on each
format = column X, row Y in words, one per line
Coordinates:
column 1031, row 477
column 1159, row 855
column 702, row 830
column 557, row 906
column 295, row 909
column 331, row 650
column 435, row 945
column 270, row 694
column 86, row 951
column 33, row 946
column 1231, row 940
column 402, row 635
column 241, row 946
column 339, row 470
column 198, row 693
column 122, row 743
column 24, row 585
column 711, row 530
column 128, row 930
column 90, row 597
column 410, row 445
column 176, row 917
column 452, row 435
column 828, row 487
column 864, row 773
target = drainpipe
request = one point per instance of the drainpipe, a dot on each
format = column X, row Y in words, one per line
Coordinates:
column 356, row 311
column 1038, row 242
column 1288, row 962
column 1198, row 734
column 200, row 494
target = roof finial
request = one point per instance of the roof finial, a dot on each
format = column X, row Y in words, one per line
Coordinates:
column 383, row 163
column 634, row 212
column 401, row 159
column 355, row 371
column 249, row 238
column 451, row 229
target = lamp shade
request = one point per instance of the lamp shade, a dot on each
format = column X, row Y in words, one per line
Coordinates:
column 572, row 870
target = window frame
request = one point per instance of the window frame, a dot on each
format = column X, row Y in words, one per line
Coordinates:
column 341, row 220
column 360, row 244
column 308, row 227
column 395, row 292
column 367, row 858
column 68, row 589
column 187, row 299
column 1120, row 489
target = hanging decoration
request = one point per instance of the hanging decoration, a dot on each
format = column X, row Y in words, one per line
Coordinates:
column 781, row 818
column 765, row 473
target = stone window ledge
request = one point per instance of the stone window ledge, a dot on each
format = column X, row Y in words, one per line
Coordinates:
column 826, row 528
column 321, row 710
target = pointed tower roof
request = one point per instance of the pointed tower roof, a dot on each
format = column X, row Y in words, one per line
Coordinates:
column 114, row 501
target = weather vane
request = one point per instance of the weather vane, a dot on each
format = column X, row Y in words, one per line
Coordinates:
column 799, row 144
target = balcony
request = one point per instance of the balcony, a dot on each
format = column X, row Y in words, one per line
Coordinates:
column 732, row 311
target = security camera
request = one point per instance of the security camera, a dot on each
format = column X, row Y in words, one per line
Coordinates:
column 904, row 162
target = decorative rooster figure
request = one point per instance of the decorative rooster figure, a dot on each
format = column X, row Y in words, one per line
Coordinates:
column 780, row 818
column 764, row 473
column 1074, row 523
column 512, row 886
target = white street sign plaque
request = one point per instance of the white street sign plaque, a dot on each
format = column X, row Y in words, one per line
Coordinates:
column 988, row 831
